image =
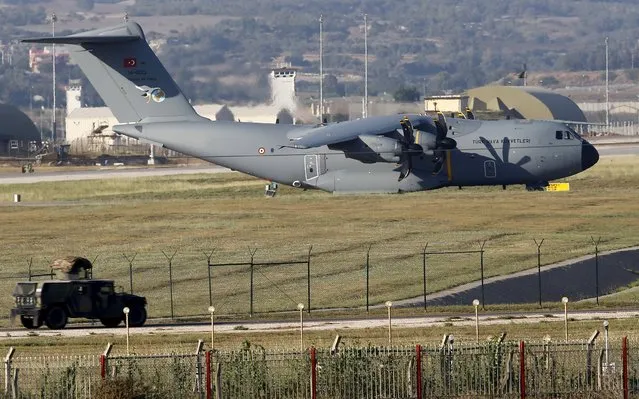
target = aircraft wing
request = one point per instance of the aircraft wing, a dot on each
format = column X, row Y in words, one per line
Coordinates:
column 345, row 131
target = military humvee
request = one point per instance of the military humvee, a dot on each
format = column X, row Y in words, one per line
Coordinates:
column 53, row 302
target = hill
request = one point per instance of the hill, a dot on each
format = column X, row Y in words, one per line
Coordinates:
column 434, row 46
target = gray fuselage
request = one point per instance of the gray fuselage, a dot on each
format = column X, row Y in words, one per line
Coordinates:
column 487, row 153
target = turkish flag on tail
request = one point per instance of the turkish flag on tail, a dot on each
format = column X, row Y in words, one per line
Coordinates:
column 129, row 63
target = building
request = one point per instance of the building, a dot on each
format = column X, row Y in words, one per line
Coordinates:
column 528, row 102
column 450, row 103
column 18, row 135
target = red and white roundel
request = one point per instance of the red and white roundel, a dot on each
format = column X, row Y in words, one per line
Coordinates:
column 261, row 151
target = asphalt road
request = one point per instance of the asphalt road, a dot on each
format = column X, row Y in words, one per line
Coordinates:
column 574, row 278
column 321, row 325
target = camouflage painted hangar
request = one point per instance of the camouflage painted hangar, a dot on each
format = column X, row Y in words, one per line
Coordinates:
column 529, row 102
column 17, row 131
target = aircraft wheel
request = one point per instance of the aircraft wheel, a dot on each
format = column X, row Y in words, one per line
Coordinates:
column 28, row 322
column 137, row 316
column 56, row 318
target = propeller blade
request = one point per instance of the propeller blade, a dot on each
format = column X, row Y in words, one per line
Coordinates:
column 407, row 128
column 442, row 127
column 469, row 113
column 447, row 143
column 523, row 161
column 407, row 167
column 506, row 150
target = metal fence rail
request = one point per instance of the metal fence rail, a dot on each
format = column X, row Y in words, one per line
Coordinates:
column 371, row 372
column 54, row 376
column 449, row 370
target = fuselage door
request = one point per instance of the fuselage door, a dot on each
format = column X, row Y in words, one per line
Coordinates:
column 490, row 169
column 311, row 165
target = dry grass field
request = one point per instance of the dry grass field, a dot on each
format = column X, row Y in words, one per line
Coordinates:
column 228, row 213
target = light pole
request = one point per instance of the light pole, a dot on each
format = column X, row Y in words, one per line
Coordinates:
column 300, row 307
column 321, row 67
column 365, row 65
column 564, row 300
column 607, row 89
column 212, row 312
column 389, row 305
column 53, row 121
column 476, row 305
column 126, row 311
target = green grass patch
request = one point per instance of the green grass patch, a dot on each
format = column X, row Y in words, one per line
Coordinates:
column 228, row 214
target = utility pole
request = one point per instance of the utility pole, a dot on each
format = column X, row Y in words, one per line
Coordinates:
column 321, row 71
column 53, row 121
column 365, row 65
column 607, row 89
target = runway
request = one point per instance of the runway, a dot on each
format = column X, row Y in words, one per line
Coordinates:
column 106, row 173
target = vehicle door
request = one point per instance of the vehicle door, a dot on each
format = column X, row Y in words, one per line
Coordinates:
column 81, row 302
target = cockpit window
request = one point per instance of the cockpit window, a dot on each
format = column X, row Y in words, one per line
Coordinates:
column 567, row 136
column 559, row 135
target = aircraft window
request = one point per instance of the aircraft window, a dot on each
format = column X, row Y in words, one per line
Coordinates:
column 559, row 134
column 567, row 136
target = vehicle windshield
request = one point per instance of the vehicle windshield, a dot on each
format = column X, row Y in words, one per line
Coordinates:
column 24, row 289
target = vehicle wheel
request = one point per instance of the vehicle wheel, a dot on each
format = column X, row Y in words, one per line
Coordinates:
column 27, row 322
column 137, row 316
column 111, row 322
column 56, row 318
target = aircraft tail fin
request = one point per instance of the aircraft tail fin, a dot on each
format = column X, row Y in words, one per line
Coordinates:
column 126, row 73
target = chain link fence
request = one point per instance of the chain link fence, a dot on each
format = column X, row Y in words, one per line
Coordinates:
column 454, row 370
column 180, row 283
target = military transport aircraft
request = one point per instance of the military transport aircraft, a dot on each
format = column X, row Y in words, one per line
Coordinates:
column 396, row 153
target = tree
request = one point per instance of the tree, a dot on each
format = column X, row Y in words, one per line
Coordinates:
column 406, row 94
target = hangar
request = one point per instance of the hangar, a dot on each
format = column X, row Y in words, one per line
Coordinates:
column 18, row 134
column 528, row 102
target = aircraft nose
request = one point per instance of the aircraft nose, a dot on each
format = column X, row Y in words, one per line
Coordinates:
column 589, row 155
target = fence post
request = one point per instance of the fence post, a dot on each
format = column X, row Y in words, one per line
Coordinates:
column 30, row 263
column 170, row 259
column 7, row 369
column 218, row 380
column 424, row 271
column 590, row 346
column 596, row 243
column 368, row 256
column 104, row 361
column 308, row 279
column 208, row 268
column 539, row 266
column 481, row 265
column 522, row 371
column 198, row 366
column 313, row 373
column 252, row 252
column 624, row 360
column 208, row 374
column 130, row 260
column 418, row 370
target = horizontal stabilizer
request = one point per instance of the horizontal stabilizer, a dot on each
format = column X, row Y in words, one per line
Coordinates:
column 82, row 40
column 116, row 34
